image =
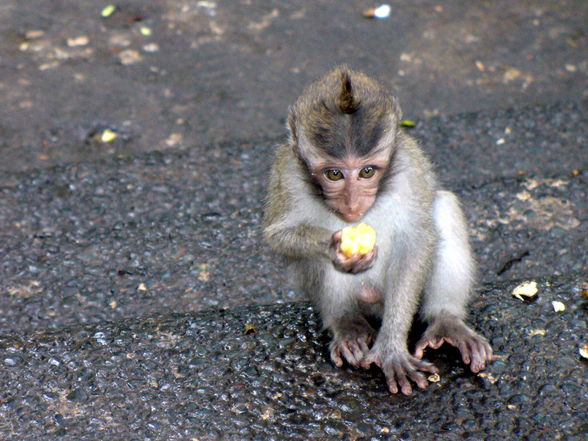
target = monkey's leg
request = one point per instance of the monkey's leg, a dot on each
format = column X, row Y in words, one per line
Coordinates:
column 403, row 284
column 352, row 334
column 446, row 294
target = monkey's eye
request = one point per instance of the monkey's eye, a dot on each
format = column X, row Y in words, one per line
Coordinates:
column 367, row 172
column 334, row 174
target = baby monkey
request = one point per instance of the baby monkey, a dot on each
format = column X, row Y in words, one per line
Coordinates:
column 348, row 160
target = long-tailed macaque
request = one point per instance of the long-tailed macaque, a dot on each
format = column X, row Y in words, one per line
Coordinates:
column 348, row 160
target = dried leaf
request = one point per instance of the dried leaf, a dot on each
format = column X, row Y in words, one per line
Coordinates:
column 534, row 332
column 249, row 329
column 108, row 136
column 107, row 11
column 526, row 289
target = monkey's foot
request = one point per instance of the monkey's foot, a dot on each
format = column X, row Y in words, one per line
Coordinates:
column 475, row 349
column 399, row 368
column 351, row 343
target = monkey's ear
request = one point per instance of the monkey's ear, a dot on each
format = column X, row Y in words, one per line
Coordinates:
column 347, row 102
column 396, row 110
column 292, row 126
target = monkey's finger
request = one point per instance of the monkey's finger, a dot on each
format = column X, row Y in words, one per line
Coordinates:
column 418, row 378
column 356, row 352
column 425, row 366
column 368, row 360
column 465, row 352
column 402, row 381
column 478, row 356
column 487, row 350
column 419, row 350
column 336, row 355
column 336, row 237
column 391, row 381
column 348, row 354
column 363, row 345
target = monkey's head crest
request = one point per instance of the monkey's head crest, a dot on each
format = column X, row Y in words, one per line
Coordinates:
column 347, row 102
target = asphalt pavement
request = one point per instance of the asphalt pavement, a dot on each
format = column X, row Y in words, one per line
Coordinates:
column 137, row 299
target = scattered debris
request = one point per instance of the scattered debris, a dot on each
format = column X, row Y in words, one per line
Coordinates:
column 382, row 11
column 491, row 378
column 107, row 11
column 407, row 123
column 534, row 332
column 144, row 30
column 526, row 289
column 141, row 287
column 108, row 136
column 129, row 56
column 151, row 47
column 34, row 34
column 434, row 378
column 249, row 329
column 558, row 306
column 82, row 40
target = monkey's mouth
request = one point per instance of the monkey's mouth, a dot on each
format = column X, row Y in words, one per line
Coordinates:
column 350, row 217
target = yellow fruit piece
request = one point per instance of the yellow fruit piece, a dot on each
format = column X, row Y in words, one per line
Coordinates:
column 357, row 240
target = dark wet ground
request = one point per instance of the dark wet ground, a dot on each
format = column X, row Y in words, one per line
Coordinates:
column 129, row 270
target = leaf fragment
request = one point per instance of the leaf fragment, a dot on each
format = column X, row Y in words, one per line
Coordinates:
column 526, row 289
column 107, row 11
column 108, row 136
column 407, row 123
column 249, row 329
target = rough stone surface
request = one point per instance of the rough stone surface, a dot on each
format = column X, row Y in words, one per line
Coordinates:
column 135, row 292
column 180, row 231
column 212, row 70
column 262, row 373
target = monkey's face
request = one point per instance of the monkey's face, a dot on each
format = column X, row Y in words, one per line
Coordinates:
column 350, row 186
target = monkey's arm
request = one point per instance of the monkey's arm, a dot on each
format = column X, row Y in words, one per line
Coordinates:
column 301, row 241
column 447, row 291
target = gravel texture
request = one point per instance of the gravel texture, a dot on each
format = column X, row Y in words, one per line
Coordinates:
column 137, row 300
column 180, row 231
column 262, row 373
column 206, row 71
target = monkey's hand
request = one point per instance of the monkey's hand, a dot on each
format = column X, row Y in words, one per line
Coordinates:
column 357, row 263
column 399, row 367
column 475, row 349
column 351, row 340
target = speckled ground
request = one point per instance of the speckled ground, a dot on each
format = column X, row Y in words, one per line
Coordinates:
column 137, row 301
column 262, row 373
column 181, row 231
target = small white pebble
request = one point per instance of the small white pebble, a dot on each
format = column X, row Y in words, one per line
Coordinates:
column 382, row 11
column 558, row 306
